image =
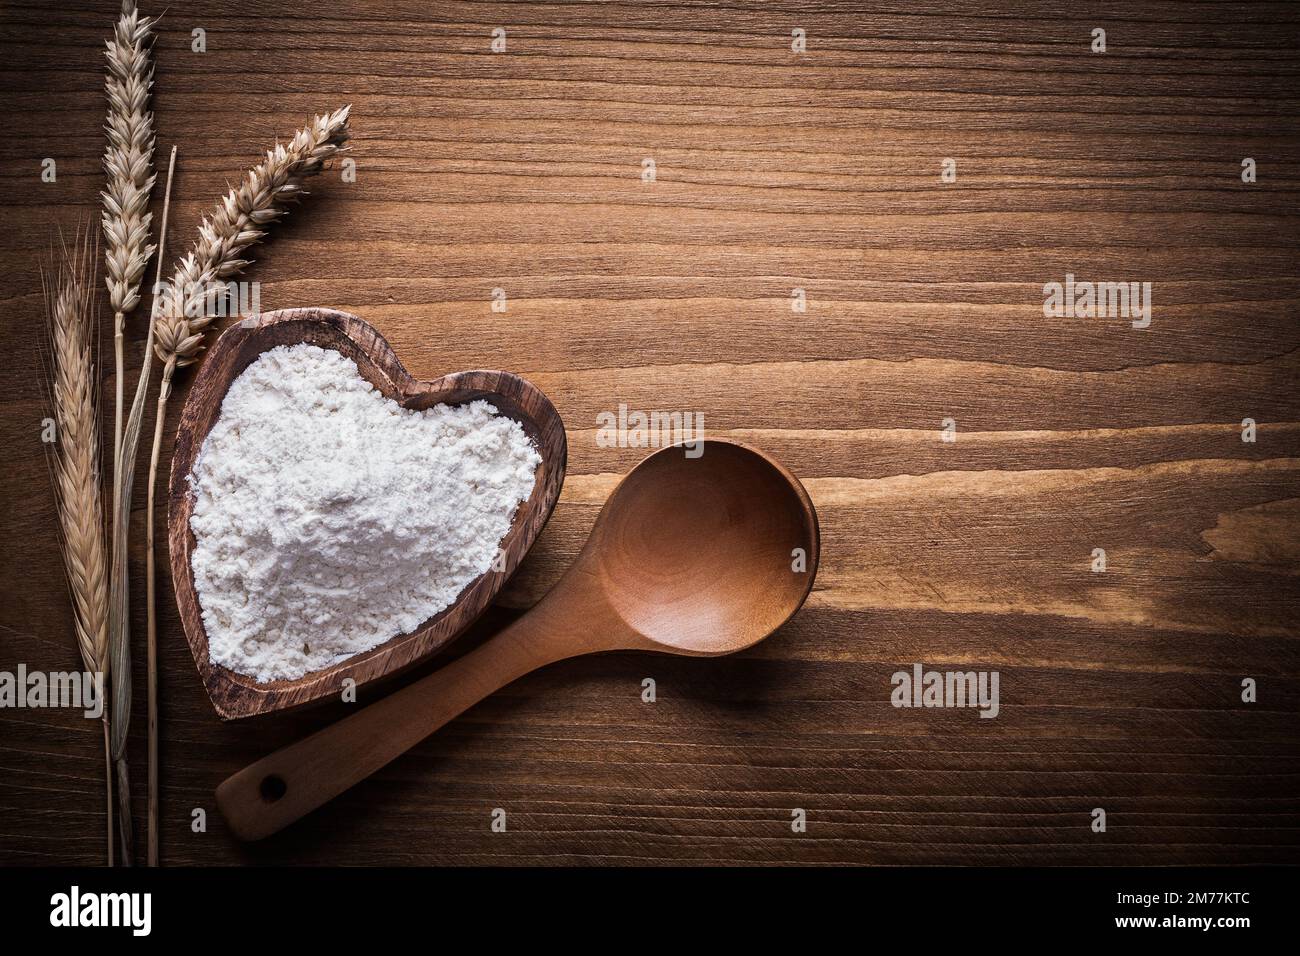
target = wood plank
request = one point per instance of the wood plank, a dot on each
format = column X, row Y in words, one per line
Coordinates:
column 774, row 171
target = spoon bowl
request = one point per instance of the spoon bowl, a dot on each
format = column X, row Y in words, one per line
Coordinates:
column 697, row 556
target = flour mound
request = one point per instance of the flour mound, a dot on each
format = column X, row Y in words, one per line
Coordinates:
column 328, row 519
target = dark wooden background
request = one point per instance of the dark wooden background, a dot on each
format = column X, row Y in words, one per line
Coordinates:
column 774, row 171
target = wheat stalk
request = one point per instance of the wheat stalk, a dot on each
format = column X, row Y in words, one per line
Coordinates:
column 77, row 468
column 128, row 162
column 186, row 306
column 119, row 618
column 148, row 544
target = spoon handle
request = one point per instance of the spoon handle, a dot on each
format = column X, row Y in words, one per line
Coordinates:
column 268, row 795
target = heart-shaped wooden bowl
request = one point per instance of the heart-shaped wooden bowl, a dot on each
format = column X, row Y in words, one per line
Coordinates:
column 236, row 695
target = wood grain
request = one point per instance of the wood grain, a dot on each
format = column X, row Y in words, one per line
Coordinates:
column 774, row 171
column 235, row 695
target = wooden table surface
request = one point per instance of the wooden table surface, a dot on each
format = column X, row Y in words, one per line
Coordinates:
column 774, row 170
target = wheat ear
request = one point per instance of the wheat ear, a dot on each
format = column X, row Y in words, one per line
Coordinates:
column 78, row 478
column 186, row 307
column 189, row 301
column 128, row 162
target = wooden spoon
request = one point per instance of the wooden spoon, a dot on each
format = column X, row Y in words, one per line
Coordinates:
column 698, row 556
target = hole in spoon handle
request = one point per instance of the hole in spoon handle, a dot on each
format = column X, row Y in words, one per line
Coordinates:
column 273, row 787
column 272, row 793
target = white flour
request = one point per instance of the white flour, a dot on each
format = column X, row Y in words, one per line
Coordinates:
column 328, row 519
